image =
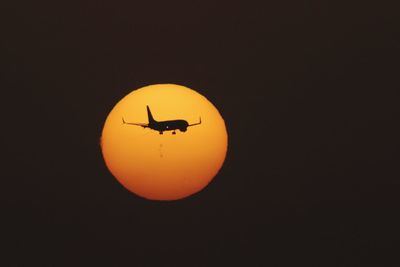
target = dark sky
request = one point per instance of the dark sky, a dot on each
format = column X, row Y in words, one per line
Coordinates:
column 308, row 93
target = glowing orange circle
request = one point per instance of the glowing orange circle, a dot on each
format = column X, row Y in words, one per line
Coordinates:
column 171, row 165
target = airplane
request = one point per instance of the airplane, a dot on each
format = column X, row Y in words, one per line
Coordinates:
column 163, row 126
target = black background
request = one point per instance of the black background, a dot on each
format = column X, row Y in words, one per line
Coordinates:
column 308, row 93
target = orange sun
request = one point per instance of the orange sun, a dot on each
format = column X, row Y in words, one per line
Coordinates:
column 171, row 157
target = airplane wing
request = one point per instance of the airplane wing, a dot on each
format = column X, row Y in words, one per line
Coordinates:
column 195, row 123
column 144, row 125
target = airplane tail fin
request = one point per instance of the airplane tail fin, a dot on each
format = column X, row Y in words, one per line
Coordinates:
column 149, row 115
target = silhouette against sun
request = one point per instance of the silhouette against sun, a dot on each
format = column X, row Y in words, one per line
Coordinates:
column 151, row 148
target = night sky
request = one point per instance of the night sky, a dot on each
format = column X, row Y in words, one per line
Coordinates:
column 308, row 93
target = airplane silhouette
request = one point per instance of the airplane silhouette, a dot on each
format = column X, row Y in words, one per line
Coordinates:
column 162, row 126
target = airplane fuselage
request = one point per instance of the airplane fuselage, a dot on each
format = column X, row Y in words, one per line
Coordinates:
column 171, row 125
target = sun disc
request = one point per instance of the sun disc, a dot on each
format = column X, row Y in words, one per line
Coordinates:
column 172, row 157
